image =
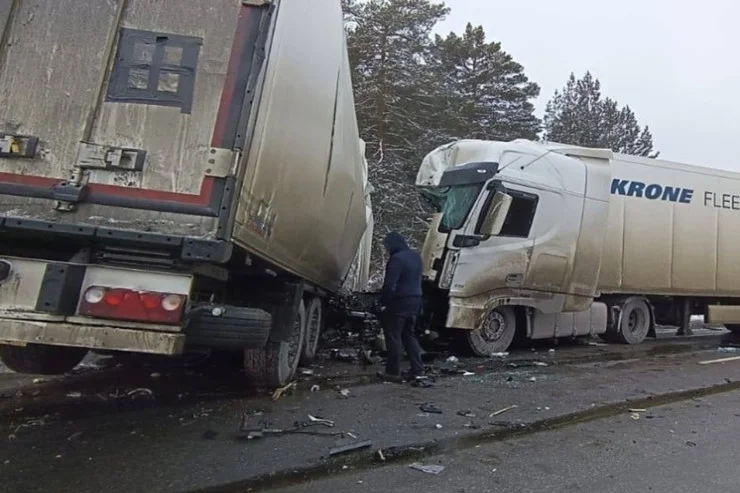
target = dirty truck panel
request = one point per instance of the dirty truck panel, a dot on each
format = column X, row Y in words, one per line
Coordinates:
column 558, row 241
column 176, row 175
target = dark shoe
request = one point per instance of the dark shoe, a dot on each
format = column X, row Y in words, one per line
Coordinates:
column 389, row 378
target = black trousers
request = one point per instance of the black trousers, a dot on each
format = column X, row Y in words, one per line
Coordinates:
column 399, row 334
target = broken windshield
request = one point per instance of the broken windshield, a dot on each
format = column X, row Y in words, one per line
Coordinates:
column 454, row 203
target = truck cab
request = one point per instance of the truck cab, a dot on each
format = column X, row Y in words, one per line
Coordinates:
column 517, row 241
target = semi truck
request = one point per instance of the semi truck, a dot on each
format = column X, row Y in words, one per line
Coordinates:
column 547, row 240
column 176, row 175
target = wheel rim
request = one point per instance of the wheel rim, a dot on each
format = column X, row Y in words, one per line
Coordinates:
column 494, row 327
column 635, row 321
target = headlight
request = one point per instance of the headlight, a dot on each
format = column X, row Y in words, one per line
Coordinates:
column 448, row 271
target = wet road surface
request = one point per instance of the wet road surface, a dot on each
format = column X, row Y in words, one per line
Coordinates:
column 154, row 426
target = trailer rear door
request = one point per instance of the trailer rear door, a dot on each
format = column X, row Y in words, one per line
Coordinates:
column 125, row 112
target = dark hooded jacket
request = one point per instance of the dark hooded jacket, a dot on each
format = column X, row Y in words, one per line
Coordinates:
column 402, row 286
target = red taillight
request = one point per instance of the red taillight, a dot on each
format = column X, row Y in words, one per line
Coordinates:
column 127, row 304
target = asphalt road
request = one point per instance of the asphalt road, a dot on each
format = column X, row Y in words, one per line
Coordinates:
column 98, row 431
column 687, row 447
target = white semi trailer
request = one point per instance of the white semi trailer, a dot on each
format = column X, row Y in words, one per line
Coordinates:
column 176, row 174
column 550, row 240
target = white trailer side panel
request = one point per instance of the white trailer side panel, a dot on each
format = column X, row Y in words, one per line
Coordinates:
column 673, row 229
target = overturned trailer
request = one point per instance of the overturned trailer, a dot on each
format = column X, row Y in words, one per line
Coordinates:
column 176, row 175
column 552, row 240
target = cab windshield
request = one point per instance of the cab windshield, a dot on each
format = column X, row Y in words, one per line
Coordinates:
column 454, row 203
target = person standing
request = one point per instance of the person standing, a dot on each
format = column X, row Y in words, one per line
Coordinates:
column 401, row 302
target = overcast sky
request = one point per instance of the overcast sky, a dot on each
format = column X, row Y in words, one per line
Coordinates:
column 676, row 63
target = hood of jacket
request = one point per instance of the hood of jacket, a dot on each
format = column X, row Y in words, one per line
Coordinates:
column 395, row 243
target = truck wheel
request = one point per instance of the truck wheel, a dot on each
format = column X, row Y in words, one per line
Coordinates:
column 275, row 364
column 634, row 322
column 314, row 326
column 495, row 334
column 40, row 359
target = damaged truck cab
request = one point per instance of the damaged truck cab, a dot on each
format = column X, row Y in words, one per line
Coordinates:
column 550, row 240
column 517, row 242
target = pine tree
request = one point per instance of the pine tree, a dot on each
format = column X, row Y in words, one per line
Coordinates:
column 578, row 115
column 389, row 42
column 484, row 92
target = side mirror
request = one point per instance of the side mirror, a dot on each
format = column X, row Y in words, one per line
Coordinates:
column 496, row 214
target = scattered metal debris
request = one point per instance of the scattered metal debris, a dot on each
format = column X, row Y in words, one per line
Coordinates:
column 540, row 363
column 499, row 355
column 638, row 410
column 39, row 380
column 721, row 360
column 155, row 375
column 350, row 447
column 344, row 392
column 438, row 426
column 74, row 395
column 321, row 421
column 453, row 359
column 532, row 379
column 315, row 388
column 430, row 408
column 428, row 469
column 635, row 416
column 306, row 372
column 282, row 390
column 381, row 456
column 504, row 410
column 466, row 414
column 468, row 373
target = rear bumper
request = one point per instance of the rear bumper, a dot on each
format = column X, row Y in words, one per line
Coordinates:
column 15, row 331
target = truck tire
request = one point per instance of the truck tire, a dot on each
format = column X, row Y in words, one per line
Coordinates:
column 494, row 336
column 275, row 364
column 236, row 329
column 40, row 359
column 633, row 324
column 314, row 326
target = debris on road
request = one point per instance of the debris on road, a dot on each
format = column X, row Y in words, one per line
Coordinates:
column 74, row 395
column 638, row 410
column 468, row 374
column 381, row 456
column 438, row 426
column 350, row 447
column 344, row 392
column 532, row 379
column 430, row 408
column 499, row 355
column 155, row 375
column 344, row 355
column 428, row 469
column 39, row 380
column 315, row 388
column 540, row 363
column 282, row 390
column 143, row 392
column 635, row 416
column 504, row 410
column 321, row 421
column 453, row 359
column 466, row 414
column 721, row 360
column 74, row 436
column 551, row 351
column 728, row 349
column 306, row 372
